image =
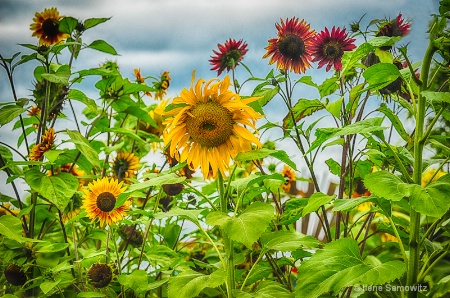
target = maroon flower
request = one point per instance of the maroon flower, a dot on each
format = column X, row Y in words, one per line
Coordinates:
column 397, row 27
column 328, row 48
column 291, row 50
column 228, row 55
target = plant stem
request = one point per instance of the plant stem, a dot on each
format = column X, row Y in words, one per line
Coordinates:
column 227, row 241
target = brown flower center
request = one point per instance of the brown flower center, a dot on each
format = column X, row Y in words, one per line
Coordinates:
column 291, row 46
column 332, row 50
column 50, row 27
column 100, row 275
column 106, row 201
column 210, row 125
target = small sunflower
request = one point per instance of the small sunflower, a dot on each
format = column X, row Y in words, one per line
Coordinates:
column 100, row 275
column 328, row 48
column 125, row 165
column 38, row 150
column 228, row 56
column 208, row 126
column 46, row 27
column 99, row 201
column 397, row 27
column 162, row 85
column 292, row 49
column 289, row 175
column 141, row 80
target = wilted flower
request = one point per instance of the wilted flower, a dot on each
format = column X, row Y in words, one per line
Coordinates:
column 100, row 275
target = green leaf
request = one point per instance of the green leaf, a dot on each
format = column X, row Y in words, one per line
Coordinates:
column 352, row 58
column 303, row 108
column 11, row 227
column 334, row 107
column 248, row 226
column 267, row 94
column 85, row 148
column 61, row 76
column 52, row 247
column 315, row 201
column 192, row 215
column 340, row 265
column 190, row 283
column 263, row 153
column 136, row 281
column 431, row 200
column 33, row 178
column 102, row 46
column 157, row 180
column 59, row 188
column 9, row 112
column 287, row 241
column 293, row 210
column 140, row 114
column 380, row 75
column 47, row 286
column 386, row 185
column 382, row 41
column 92, row 22
column 329, row 86
column 396, row 122
column 266, row 289
column 90, row 295
column 346, row 205
column 67, row 25
column 436, row 96
column 126, row 132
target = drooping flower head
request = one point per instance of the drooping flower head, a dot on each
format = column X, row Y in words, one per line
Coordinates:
column 100, row 198
column 206, row 126
column 162, row 85
column 291, row 50
column 397, row 27
column 100, row 275
column 46, row 27
column 38, row 150
column 125, row 165
column 328, row 48
column 228, row 55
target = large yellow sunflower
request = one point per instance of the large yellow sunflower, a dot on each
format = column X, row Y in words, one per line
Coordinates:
column 46, row 27
column 99, row 201
column 208, row 126
column 125, row 165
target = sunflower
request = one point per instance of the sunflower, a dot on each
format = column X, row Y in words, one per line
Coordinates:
column 290, row 177
column 141, row 80
column 162, row 85
column 228, row 56
column 292, row 49
column 38, row 150
column 431, row 175
column 125, row 165
column 99, row 201
column 328, row 48
column 208, row 126
column 397, row 27
column 100, row 275
column 46, row 27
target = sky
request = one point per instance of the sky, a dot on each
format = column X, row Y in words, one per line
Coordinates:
column 179, row 35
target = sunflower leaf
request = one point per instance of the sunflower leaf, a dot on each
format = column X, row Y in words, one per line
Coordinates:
column 59, row 188
column 85, row 148
column 67, row 25
column 303, row 108
column 190, row 283
column 9, row 112
column 92, row 22
column 102, row 46
column 11, row 228
column 287, row 241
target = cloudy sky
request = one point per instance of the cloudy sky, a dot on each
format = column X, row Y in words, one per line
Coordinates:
column 179, row 35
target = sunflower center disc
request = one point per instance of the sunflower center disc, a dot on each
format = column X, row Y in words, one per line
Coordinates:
column 106, row 201
column 291, row 46
column 50, row 27
column 333, row 50
column 211, row 124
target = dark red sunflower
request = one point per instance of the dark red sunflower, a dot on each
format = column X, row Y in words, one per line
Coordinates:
column 228, row 55
column 397, row 27
column 291, row 50
column 328, row 48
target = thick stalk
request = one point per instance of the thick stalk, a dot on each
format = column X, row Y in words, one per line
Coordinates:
column 419, row 142
column 227, row 241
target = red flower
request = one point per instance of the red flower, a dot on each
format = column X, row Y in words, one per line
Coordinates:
column 328, row 48
column 228, row 56
column 292, row 49
column 397, row 27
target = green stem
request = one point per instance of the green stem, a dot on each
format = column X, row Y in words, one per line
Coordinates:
column 227, row 241
column 400, row 242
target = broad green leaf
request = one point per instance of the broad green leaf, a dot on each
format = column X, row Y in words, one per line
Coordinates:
column 192, row 215
column 67, row 25
column 334, row 107
column 9, row 112
column 90, row 295
column 129, row 88
column 303, row 108
column 293, row 210
column 380, row 75
column 346, row 205
column 315, row 201
column 328, row 87
column 52, row 247
column 264, row 152
column 156, row 284
column 136, row 281
column 102, row 46
column 61, row 76
column 436, row 96
column 52, row 155
column 160, row 255
column 85, row 148
column 266, row 94
column 431, row 200
column 396, row 122
column 351, row 58
column 386, row 185
column 339, row 265
column 382, row 41
column 141, row 114
column 11, row 228
column 59, row 188
column 242, row 184
column 33, row 178
column 81, row 97
column 266, row 289
column 126, row 132
column 287, row 241
column 334, row 166
column 248, row 226
column 190, row 283
column 47, row 286
column 92, row 22
column 157, row 180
